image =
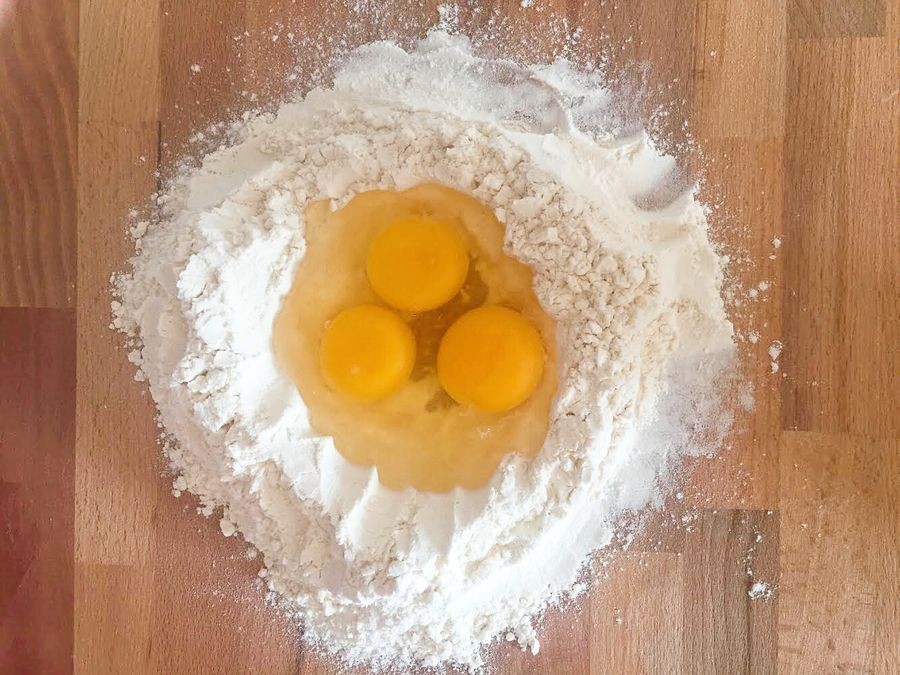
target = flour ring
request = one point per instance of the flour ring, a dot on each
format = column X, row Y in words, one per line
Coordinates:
column 377, row 575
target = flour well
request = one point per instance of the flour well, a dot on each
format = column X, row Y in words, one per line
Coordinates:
column 385, row 576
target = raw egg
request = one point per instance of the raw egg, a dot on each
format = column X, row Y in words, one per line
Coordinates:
column 417, row 263
column 436, row 424
column 367, row 352
column 491, row 358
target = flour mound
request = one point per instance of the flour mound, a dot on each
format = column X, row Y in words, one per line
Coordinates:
column 384, row 576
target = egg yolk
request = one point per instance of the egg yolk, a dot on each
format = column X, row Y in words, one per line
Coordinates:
column 417, row 263
column 491, row 358
column 367, row 352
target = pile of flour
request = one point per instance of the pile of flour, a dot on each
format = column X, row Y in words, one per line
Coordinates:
column 396, row 577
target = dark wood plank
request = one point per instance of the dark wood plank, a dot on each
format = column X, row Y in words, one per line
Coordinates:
column 725, row 630
column 37, row 469
column 201, row 78
column 199, row 573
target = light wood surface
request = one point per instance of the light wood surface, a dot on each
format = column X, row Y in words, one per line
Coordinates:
column 794, row 107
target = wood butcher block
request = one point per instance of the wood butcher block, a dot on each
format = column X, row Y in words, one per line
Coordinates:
column 794, row 106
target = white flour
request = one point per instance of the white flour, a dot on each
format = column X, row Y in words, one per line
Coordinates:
column 391, row 576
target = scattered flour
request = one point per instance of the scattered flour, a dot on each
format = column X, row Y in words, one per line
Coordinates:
column 399, row 577
column 760, row 590
column 775, row 350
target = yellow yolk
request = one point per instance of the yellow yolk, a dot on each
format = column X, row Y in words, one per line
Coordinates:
column 417, row 263
column 491, row 358
column 367, row 352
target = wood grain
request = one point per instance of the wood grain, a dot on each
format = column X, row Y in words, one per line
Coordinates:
column 836, row 18
column 843, row 305
column 38, row 109
column 792, row 106
column 839, row 512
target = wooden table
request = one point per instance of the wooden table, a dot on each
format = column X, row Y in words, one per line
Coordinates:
column 794, row 104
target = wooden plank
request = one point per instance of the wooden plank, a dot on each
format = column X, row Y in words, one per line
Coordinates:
column 119, row 62
column 117, row 481
column 38, row 107
column 839, row 608
column 726, row 630
column 112, row 618
column 37, row 464
column 565, row 638
column 842, row 250
column 120, row 484
column 198, row 573
column 636, row 625
column 836, row 18
column 744, row 181
column 625, row 38
column 739, row 66
column 201, row 79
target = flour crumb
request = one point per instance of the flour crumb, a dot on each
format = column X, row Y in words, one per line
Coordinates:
column 228, row 528
column 760, row 590
column 775, row 350
column 179, row 485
